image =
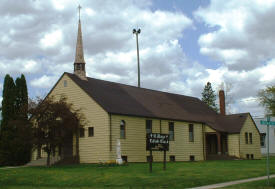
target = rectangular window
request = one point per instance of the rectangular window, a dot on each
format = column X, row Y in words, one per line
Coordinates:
column 263, row 140
column 246, row 138
column 247, row 156
column 122, row 129
column 124, row 159
column 172, row 158
column 148, row 126
column 91, row 131
column 191, row 133
column 251, row 156
column 65, row 83
column 250, row 138
column 81, row 132
column 171, row 131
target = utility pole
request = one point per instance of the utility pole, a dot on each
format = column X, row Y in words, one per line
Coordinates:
column 267, row 158
column 137, row 32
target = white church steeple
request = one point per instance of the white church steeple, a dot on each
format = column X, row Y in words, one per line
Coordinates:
column 79, row 63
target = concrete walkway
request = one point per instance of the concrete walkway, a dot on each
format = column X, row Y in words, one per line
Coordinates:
column 12, row 167
column 224, row 184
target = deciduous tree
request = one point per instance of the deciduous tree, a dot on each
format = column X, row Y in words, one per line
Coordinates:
column 267, row 99
column 229, row 99
column 54, row 120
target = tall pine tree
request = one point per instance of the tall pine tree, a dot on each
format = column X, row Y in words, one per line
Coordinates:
column 209, row 97
column 8, row 108
column 15, row 135
column 21, row 101
column 7, row 132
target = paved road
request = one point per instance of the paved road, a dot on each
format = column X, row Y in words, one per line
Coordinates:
column 219, row 185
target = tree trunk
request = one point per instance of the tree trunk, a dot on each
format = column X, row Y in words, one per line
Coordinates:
column 77, row 146
column 48, row 158
column 39, row 152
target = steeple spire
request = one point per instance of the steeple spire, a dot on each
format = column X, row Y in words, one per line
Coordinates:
column 79, row 63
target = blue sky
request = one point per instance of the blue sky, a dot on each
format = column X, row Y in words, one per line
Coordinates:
column 189, row 42
column 183, row 45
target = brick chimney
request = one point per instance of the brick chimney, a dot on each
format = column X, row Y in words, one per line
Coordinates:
column 222, row 102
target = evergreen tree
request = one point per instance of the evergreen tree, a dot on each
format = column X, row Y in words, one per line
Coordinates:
column 21, row 102
column 8, row 109
column 209, row 97
column 8, row 113
column 15, row 135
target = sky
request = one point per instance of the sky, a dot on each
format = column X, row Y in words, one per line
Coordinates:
column 183, row 45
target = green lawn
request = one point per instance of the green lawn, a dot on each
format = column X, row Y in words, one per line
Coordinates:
column 135, row 175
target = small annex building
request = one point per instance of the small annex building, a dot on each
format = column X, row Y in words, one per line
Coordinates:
column 118, row 111
column 264, row 139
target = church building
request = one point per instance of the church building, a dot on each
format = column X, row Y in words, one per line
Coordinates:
column 118, row 111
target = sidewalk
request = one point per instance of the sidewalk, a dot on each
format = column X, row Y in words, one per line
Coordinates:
column 12, row 167
column 219, row 185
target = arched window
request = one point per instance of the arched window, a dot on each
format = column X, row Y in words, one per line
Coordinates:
column 122, row 129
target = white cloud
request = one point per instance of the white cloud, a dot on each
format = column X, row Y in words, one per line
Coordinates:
column 39, row 40
column 18, row 66
column 51, row 39
column 90, row 11
column 1, row 92
column 266, row 73
column 243, row 37
column 44, row 81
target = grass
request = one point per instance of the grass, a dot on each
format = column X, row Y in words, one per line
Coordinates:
column 135, row 175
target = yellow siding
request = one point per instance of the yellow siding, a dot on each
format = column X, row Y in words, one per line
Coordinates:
column 209, row 129
column 34, row 155
column 97, row 148
column 234, row 145
column 253, row 148
column 91, row 149
column 134, row 145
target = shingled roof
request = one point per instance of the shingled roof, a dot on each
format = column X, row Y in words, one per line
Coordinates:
column 116, row 98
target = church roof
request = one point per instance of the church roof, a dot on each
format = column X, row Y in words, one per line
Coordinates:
column 116, row 98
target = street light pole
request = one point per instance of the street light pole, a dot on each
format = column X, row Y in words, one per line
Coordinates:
column 137, row 32
column 267, row 158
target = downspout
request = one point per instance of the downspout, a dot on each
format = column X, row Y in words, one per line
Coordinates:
column 160, row 130
column 240, row 145
column 77, row 160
